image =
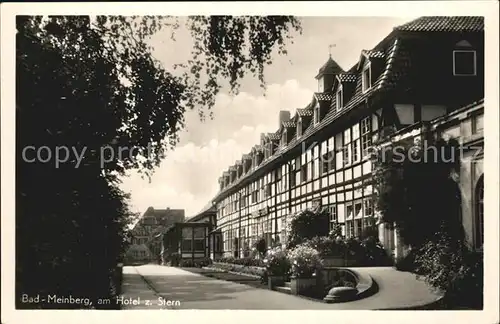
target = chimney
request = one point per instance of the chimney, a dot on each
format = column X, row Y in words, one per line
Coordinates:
column 284, row 117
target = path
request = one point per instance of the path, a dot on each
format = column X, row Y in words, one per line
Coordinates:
column 187, row 290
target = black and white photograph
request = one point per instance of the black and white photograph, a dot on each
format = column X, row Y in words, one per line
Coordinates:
column 250, row 161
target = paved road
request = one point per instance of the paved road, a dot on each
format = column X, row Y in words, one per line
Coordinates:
column 195, row 291
column 170, row 288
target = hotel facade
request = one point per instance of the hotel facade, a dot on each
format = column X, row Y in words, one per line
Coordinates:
column 425, row 76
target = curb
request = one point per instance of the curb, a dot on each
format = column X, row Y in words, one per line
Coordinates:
column 232, row 272
column 434, row 305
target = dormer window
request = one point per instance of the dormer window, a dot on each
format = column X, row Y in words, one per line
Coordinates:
column 316, row 115
column 367, row 78
column 299, row 128
column 283, row 138
column 464, row 63
column 339, row 100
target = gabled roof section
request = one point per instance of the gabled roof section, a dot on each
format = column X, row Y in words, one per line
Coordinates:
column 373, row 54
column 444, row 24
column 257, row 148
column 347, row 77
column 289, row 124
column 323, row 96
column 274, row 136
column 246, row 157
column 305, row 112
column 330, row 67
column 370, row 54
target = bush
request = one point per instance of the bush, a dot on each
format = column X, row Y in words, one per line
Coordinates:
column 305, row 225
column 373, row 252
column 451, row 267
column 204, row 262
column 261, row 246
column 186, row 263
column 175, row 259
column 407, row 262
column 367, row 252
column 277, row 263
column 305, row 261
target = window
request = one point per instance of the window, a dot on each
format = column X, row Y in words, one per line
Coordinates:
column 321, row 84
column 479, row 219
column 464, row 63
column 368, row 207
column 367, row 78
column 279, row 174
column 316, row 115
column 326, row 162
column 339, row 100
column 366, row 135
column 304, row 173
column 355, row 151
column 187, row 239
column 283, row 138
column 346, row 155
column 333, row 213
column 477, row 123
column 293, row 179
column 267, row 191
column 359, row 227
column 199, row 239
column 299, row 127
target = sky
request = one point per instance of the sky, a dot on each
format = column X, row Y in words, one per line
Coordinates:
column 188, row 176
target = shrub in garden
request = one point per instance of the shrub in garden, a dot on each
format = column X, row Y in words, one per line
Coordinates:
column 186, row 263
column 367, row 252
column 175, row 259
column 373, row 252
column 336, row 231
column 261, row 246
column 451, row 267
column 407, row 262
column 305, row 225
column 277, row 263
column 305, row 261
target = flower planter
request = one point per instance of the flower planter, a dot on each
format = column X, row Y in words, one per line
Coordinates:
column 300, row 285
column 341, row 294
column 274, row 281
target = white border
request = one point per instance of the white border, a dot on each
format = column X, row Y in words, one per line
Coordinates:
column 489, row 9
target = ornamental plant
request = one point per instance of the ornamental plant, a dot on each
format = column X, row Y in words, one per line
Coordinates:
column 277, row 263
column 305, row 261
column 306, row 224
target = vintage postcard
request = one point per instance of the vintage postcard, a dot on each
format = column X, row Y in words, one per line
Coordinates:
column 250, row 157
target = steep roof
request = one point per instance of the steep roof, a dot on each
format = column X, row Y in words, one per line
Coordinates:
column 330, row 67
column 306, row 112
column 323, row 96
column 444, row 24
column 347, row 77
column 274, row 136
column 395, row 59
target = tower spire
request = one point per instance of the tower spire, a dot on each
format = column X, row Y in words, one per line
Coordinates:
column 330, row 49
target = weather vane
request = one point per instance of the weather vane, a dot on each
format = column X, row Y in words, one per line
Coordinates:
column 330, row 49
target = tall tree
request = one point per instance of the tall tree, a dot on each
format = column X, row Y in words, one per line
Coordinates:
column 88, row 86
